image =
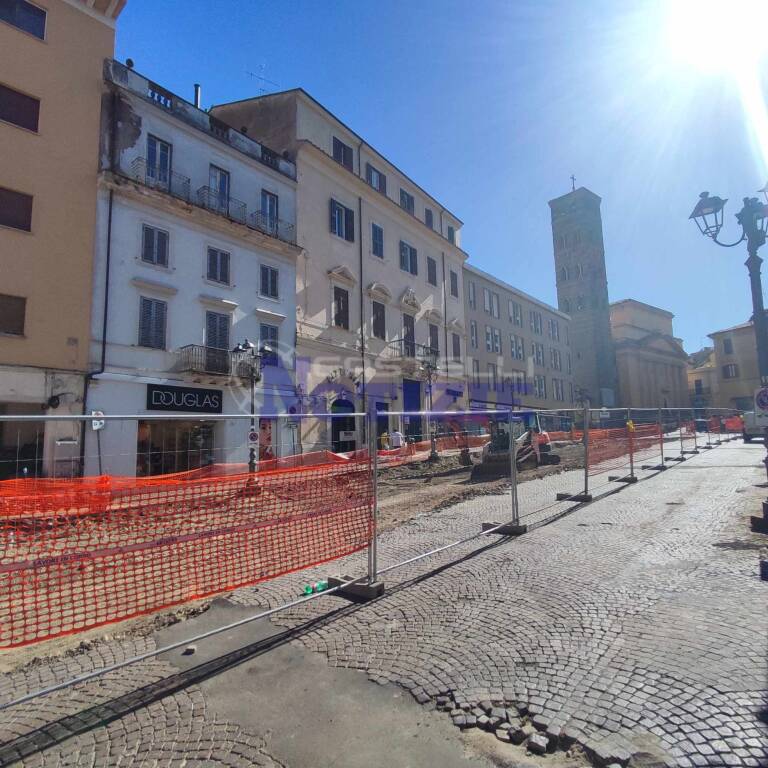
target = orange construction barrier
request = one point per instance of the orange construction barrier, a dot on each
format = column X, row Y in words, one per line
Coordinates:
column 78, row 554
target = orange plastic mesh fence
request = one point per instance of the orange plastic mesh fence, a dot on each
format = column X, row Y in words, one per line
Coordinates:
column 610, row 449
column 77, row 554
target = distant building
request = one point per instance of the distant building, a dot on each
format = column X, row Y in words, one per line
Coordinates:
column 519, row 348
column 582, row 292
column 736, row 366
column 51, row 56
column 195, row 252
column 651, row 362
column 703, row 380
column 379, row 287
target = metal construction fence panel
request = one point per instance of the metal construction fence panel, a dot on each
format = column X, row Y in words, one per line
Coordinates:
column 77, row 553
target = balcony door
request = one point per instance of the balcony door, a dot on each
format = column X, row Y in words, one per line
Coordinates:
column 158, row 162
column 217, row 342
column 218, row 182
column 409, row 336
column 269, row 211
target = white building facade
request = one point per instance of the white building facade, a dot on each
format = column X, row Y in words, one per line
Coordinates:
column 195, row 253
column 380, row 307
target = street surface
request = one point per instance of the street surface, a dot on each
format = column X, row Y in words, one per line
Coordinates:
column 635, row 624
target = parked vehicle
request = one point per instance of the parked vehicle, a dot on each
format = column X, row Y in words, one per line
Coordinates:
column 750, row 429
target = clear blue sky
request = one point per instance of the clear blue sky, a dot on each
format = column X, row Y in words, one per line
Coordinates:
column 492, row 105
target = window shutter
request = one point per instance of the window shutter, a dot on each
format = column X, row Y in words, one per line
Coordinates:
column 224, row 267
column 333, row 217
column 404, row 257
column 368, row 174
column 349, row 225
column 382, row 183
column 162, row 247
column 145, row 322
column 159, row 329
column 414, row 262
column 147, row 247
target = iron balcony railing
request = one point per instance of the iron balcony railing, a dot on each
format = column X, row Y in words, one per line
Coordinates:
column 214, row 201
column 160, row 178
column 405, row 349
column 271, row 225
column 195, row 358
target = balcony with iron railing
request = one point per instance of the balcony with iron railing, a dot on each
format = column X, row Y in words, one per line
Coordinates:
column 160, row 178
column 195, row 358
column 405, row 350
column 271, row 225
column 213, row 200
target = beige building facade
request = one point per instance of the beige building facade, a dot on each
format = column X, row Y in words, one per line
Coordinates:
column 379, row 293
column 651, row 363
column 51, row 55
column 703, row 381
column 519, row 348
column 735, row 364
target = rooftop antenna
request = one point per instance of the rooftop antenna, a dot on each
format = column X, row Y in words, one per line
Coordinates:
column 573, row 183
column 259, row 75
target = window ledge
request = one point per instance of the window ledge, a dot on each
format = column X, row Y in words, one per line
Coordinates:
column 152, row 285
column 9, row 335
column 267, row 314
column 217, row 301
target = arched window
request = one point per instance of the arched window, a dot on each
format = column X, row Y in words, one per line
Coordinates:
column 563, row 274
column 566, row 305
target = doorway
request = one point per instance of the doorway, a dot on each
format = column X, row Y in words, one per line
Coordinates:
column 382, row 421
column 343, row 429
column 412, row 402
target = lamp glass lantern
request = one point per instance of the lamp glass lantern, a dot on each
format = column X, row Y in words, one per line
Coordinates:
column 708, row 214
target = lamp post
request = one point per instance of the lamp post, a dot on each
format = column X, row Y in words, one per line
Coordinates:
column 753, row 218
column 430, row 371
column 244, row 348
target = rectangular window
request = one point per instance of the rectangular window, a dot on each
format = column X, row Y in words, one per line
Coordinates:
column 569, row 363
column 473, row 334
column 537, row 352
column 429, row 219
column 558, row 389
column 269, row 211
column 407, row 201
column 518, row 382
column 698, row 386
column 516, row 314
column 268, row 341
column 492, row 377
column 731, row 371
column 456, row 339
column 379, row 320
column 488, row 338
column 434, row 339
column 154, row 246
column 554, row 329
column 218, row 266
column 12, row 314
column 451, row 235
column 340, row 307
column 555, row 359
column 23, row 15
column 15, row 209
column 540, row 386
column 18, row 108
column 454, row 284
column 497, row 341
column 516, row 347
column 159, row 162
column 487, row 300
column 342, row 153
column 269, row 282
column 152, row 315
column 431, row 271
column 377, row 241
column 728, row 346
column 376, row 179
column 342, row 221
column 495, row 304
column 472, row 299
column 409, row 261
column 217, row 330
column 476, row 372
column 535, row 321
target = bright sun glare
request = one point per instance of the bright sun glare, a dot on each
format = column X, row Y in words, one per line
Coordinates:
column 727, row 39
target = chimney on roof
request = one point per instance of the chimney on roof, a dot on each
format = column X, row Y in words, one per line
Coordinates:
column 197, row 95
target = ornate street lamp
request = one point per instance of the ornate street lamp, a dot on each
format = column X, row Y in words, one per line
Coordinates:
column 249, row 349
column 753, row 218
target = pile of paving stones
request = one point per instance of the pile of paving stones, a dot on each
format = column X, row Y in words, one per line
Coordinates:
column 513, row 723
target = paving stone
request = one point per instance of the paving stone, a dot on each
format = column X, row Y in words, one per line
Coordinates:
column 537, row 744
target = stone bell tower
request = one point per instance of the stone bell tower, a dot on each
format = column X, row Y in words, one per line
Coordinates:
column 582, row 292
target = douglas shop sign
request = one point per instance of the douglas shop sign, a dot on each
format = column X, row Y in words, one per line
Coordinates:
column 163, row 397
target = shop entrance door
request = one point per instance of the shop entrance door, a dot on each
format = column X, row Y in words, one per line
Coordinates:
column 164, row 447
column 412, row 402
column 343, row 429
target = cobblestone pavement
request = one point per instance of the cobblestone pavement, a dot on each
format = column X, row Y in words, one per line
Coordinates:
column 635, row 623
